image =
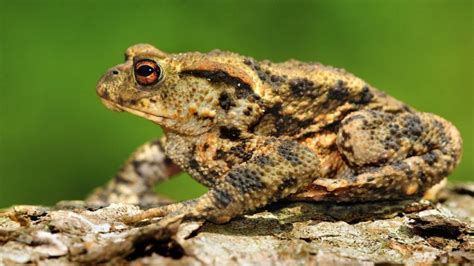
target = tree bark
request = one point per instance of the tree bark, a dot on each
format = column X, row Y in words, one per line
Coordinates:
column 291, row 233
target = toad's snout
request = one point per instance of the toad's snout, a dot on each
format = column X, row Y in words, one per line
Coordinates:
column 106, row 82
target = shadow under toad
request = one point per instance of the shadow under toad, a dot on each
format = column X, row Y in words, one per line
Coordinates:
column 280, row 217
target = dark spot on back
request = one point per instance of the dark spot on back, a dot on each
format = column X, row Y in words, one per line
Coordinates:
column 274, row 109
column 301, row 86
column 286, row 124
column 240, row 152
column 248, row 111
column 220, row 154
column 242, row 89
column 333, row 127
column 305, row 123
column 225, row 101
column 338, row 92
column 262, row 75
column 230, row 133
column 275, row 78
column 364, row 97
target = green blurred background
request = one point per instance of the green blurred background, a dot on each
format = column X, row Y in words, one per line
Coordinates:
column 58, row 142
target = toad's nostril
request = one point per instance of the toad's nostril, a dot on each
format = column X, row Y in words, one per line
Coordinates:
column 115, row 72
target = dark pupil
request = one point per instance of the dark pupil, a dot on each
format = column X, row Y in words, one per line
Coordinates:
column 145, row 71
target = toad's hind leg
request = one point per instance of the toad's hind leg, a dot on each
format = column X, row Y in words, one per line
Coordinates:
column 395, row 156
column 388, row 156
column 135, row 181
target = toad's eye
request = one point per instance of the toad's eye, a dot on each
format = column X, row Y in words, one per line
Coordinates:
column 147, row 72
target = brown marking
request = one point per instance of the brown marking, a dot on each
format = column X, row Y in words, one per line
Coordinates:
column 216, row 67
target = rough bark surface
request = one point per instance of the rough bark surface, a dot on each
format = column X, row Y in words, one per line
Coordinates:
column 295, row 233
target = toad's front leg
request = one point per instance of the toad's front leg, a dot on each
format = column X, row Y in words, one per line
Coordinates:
column 135, row 181
column 277, row 169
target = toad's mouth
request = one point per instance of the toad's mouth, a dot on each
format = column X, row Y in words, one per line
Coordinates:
column 120, row 108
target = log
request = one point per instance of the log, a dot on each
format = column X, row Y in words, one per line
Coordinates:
column 286, row 233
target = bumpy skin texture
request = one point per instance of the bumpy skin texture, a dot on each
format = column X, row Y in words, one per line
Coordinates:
column 257, row 132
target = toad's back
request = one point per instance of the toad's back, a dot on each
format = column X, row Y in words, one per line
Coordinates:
column 304, row 98
column 300, row 97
